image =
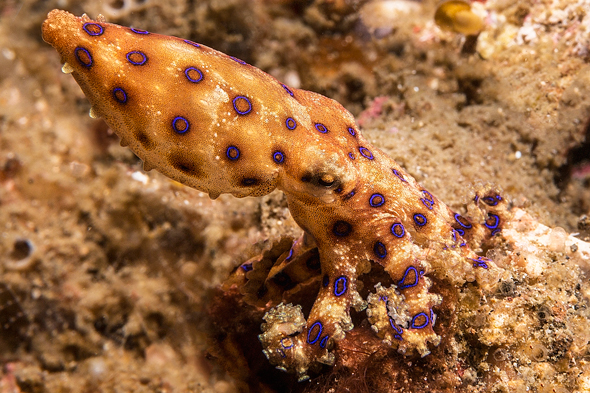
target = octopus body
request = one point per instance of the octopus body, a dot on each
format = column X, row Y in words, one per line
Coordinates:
column 217, row 124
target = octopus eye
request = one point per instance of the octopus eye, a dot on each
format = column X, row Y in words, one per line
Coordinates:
column 326, row 180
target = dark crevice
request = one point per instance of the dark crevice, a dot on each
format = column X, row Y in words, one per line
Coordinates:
column 576, row 157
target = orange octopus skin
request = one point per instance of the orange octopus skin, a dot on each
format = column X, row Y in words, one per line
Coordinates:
column 219, row 125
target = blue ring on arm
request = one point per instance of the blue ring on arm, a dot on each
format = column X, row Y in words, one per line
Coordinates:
column 317, row 337
column 399, row 175
column 366, row 152
column 402, row 285
column 398, row 331
column 380, row 250
column 459, row 218
column 422, row 314
column 344, row 283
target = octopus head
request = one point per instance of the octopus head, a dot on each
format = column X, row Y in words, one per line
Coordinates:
column 323, row 176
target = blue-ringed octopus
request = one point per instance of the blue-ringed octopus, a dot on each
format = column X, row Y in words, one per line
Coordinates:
column 215, row 123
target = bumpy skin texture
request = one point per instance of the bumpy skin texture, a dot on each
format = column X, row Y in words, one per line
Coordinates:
column 214, row 123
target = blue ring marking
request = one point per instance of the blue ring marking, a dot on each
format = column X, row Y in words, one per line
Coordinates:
column 120, row 95
column 399, row 331
column 349, row 195
column 180, row 130
column 91, row 32
column 340, row 281
column 426, row 203
column 186, row 73
column 87, row 53
column 480, row 262
column 324, row 341
column 422, row 314
column 379, row 202
column 233, row 153
column 317, row 337
column 396, row 228
column 137, row 63
column 402, row 285
column 325, row 280
column 399, row 175
column 495, row 226
column 238, row 60
column 288, row 90
column 321, row 128
column 432, row 317
column 351, row 131
column 138, row 31
column 278, row 157
column 366, row 152
column 341, row 228
column 380, row 250
column 420, row 219
column 236, row 106
column 290, row 255
column 291, row 123
column 458, row 218
column 247, row 267
column 285, row 346
column 490, row 200
column 351, row 156
column 461, row 232
column 428, row 199
column 192, row 43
